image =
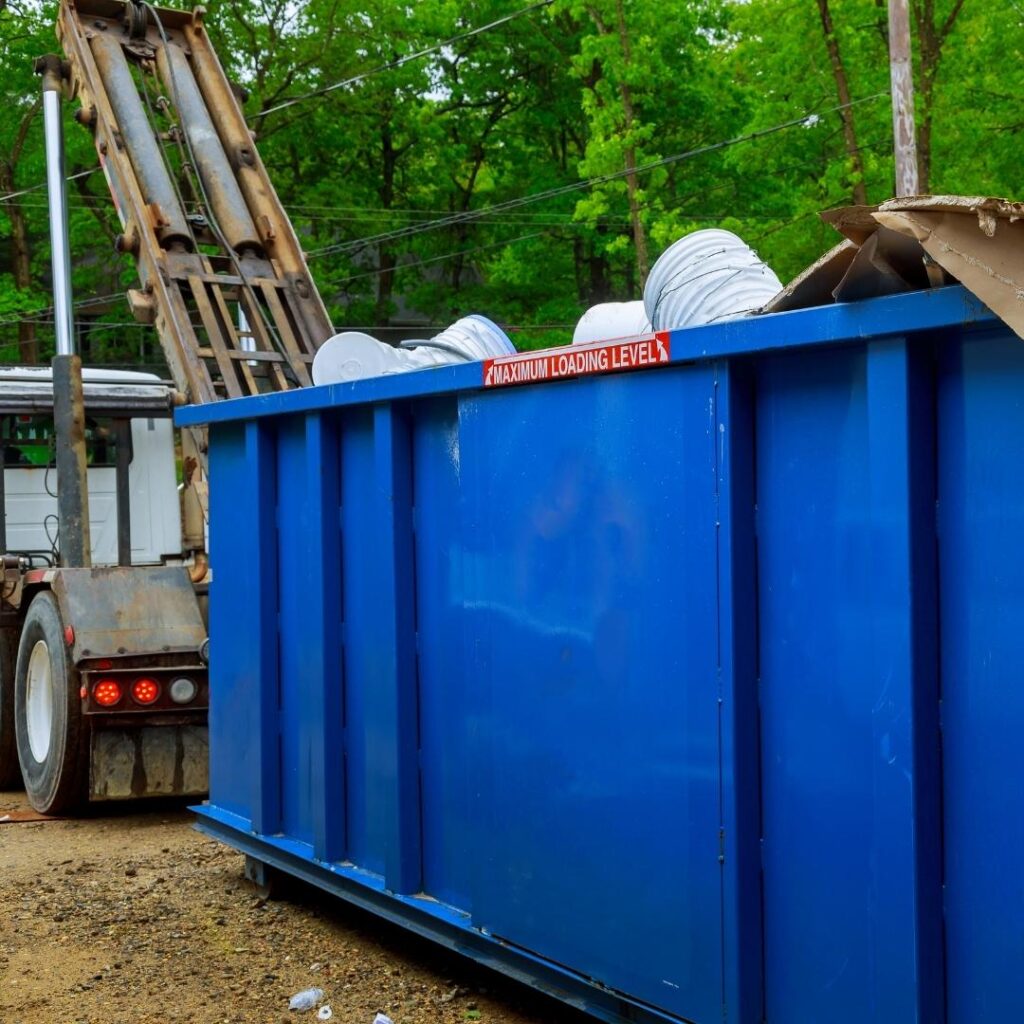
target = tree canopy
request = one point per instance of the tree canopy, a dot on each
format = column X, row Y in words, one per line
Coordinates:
column 576, row 140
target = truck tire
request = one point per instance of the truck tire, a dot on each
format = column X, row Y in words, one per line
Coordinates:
column 53, row 742
column 10, row 770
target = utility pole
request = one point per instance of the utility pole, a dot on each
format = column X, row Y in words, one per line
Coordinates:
column 902, row 77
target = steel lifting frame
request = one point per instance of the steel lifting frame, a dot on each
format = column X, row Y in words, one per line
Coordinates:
column 222, row 274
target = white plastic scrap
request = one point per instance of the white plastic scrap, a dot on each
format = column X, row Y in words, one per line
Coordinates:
column 381, row 1019
column 325, row 1012
column 306, row 999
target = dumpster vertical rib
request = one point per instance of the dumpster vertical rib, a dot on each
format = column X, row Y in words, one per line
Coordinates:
column 394, row 585
column 907, row 937
column 743, row 986
column 321, row 649
column 262, row 653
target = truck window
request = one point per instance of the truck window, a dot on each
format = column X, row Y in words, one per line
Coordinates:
column 28, row 440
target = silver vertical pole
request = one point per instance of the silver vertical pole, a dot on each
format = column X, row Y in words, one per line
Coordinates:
column 50, row 68
column 902, row 77
column 68, row 401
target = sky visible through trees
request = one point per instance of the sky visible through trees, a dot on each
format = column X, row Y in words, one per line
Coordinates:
column 527, row 161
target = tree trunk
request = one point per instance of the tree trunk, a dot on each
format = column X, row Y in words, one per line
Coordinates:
column 860, row 195
column 21, row 263
column 21, row 256
column 931, row 38
column 639, row 236
column 578, row 261
column 924, row 128
column 386, row 260
column 600, row 286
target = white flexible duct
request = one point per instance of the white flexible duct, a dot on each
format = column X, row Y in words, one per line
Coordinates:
column 707, row 276
column 353, row 355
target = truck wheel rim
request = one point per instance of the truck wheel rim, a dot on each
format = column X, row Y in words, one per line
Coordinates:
column 39, row 701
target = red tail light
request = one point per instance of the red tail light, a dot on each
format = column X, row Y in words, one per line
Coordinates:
column 107, row 692
column 145, row 690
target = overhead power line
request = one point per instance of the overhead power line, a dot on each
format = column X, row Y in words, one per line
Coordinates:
column 552, row 193
column 355, row 79
column 47, row 311
column 446, row 256
column 401, row 61
column 42, row 184
column 471, row 215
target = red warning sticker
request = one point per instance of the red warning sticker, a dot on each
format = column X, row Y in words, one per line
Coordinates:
column 577, row 361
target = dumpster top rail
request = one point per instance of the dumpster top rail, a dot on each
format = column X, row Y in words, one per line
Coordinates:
column 907, row 313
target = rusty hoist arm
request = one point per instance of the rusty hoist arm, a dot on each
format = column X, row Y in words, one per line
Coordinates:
column 213, row 245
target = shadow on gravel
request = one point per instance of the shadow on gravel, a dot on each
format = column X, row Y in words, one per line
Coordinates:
column 461, row 974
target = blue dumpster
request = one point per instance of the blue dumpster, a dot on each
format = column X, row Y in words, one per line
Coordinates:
column 683, row 681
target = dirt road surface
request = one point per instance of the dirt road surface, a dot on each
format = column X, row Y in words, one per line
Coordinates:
column 135, row 918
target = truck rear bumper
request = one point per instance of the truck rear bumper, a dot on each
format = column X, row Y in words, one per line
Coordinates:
column 148, row 760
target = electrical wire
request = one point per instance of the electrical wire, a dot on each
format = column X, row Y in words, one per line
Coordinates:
column 469, row 215
column 444, row 256
column 42, row 184
column 46, row 312
column 355, row 79
column 401, row 61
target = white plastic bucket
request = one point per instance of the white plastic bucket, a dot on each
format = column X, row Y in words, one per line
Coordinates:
column 608, row 321
column 707, row 276
column 353, row 355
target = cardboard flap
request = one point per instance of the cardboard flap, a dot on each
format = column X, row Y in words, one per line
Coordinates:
column 919, row 242
column 888, row 262
column 857, row 223
column 991, row 265
column 815, row 285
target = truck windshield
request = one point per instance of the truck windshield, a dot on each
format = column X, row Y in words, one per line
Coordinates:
column 28, row 440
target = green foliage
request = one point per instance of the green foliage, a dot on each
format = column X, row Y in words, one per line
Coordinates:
column 576, row 90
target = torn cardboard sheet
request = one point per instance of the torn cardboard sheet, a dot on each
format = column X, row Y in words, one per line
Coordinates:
column 917, row 242
column 886, row 263
column 814, row 286
column 982, row 249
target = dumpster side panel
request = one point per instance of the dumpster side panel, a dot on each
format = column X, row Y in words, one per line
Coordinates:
column 591, row 599
column 358, row 568
column 381, row 739
column 449, row 722
column 301, row 773
column 244, row 760
column 981, row 529
column 814, row 551
column 849, row 827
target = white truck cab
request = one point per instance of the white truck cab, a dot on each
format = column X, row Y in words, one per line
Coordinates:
column 30, row 479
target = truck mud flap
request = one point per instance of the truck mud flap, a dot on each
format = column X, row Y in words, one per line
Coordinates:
column 148, row 761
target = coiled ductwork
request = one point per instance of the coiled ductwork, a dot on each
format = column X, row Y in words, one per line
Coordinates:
column 705, row 277
column 353, row 355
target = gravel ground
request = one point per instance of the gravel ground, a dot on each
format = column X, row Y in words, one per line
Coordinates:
column 135, row 918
